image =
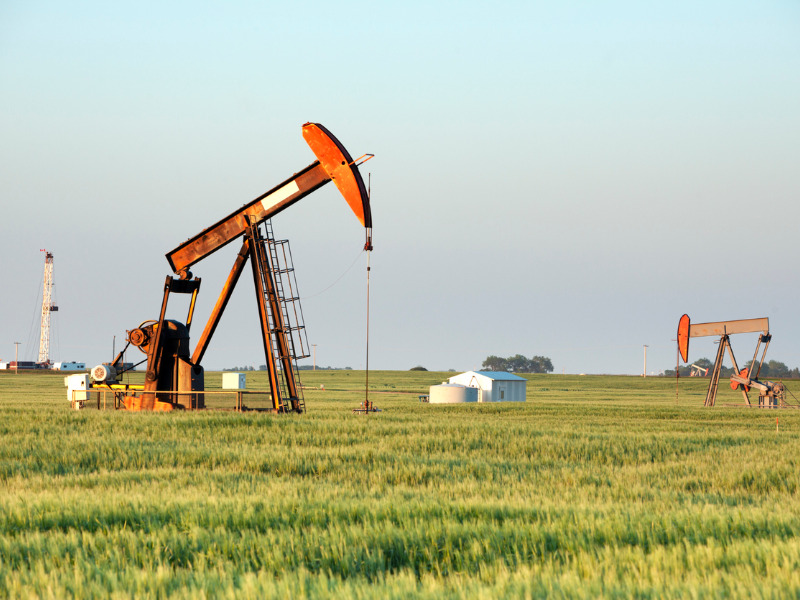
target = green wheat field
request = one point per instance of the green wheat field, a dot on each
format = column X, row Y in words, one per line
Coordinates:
column 595, row 487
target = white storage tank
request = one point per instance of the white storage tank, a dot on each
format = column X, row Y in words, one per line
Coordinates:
column 452, row 393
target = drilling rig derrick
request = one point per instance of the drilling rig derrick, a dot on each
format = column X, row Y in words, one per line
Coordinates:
column 47, row 308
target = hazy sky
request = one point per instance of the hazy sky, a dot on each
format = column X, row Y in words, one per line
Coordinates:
column 556, row 178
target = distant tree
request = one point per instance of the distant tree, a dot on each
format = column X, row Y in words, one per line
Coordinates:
column 495, row 363
column 778, row 369
column 518, row 364
column 418, row 368
column 540, row 364
column 772, row 368
column 262, row 367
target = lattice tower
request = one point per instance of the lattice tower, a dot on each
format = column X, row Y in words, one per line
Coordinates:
column 47, row 308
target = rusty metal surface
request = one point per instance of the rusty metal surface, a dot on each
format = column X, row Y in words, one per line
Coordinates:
column 222, row 302
column 729, row 327
column 254, row 237
column 278, row 324
column 265, row 206
column 166, row 344
column 334, row 162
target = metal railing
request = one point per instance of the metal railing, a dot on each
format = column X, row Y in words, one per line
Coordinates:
column 106, row 398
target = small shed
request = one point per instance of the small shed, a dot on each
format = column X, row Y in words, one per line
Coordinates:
column 69, row 366
column 234, row 381
column 493, row 386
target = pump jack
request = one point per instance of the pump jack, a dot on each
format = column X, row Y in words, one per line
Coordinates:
column 770, row 394
column 173, row 374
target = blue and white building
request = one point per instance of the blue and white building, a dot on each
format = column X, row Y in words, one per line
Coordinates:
column 493, row 386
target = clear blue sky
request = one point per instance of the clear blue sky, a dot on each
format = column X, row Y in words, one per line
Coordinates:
column 563, row 179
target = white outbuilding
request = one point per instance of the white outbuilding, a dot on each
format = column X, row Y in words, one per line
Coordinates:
column 493, row 386
column 69, row 366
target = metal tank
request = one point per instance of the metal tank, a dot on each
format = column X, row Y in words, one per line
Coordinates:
column 452, row 393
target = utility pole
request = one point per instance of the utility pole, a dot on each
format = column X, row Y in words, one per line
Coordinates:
column 677, row 372
column 644, row 374
column 16, row 357
column 314, row 346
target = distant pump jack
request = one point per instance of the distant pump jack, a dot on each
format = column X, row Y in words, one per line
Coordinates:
column 770, row 394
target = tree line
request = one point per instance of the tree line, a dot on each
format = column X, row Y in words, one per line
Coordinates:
column 518, row 364
column 772, row 368
column 299, row 368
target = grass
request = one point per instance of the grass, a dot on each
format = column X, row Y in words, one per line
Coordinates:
column 597, row 486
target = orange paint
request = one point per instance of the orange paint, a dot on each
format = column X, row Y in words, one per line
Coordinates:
column 338, row 164
column 735, row 384
column 683, row 337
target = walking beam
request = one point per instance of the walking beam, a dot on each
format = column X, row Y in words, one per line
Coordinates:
column 334, row 163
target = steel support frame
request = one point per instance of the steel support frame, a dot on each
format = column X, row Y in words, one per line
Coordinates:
column 270, row 317
column 222, row 302
column 711, row 394
column 234, row 225
column 269, row 304
column 155, row 350
column 765, row 339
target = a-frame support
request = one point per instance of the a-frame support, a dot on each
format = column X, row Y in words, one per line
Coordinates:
column 711, row 394
column 222, row 302
column 273, row 329
column 277, row 347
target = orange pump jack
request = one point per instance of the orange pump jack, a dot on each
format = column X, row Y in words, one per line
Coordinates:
column 174, row 373
column 770, row 394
